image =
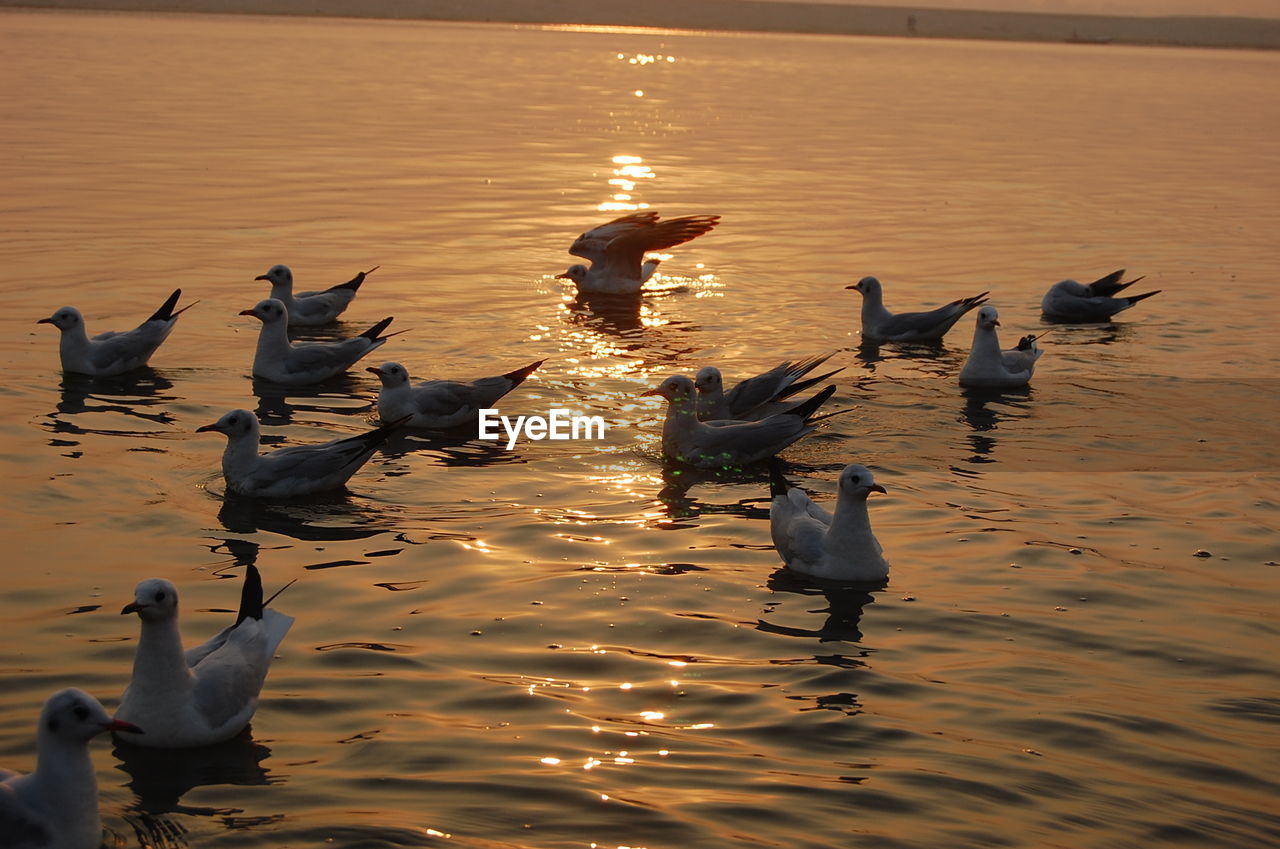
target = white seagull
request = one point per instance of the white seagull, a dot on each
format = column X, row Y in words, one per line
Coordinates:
column 838, row 547
column 205, row 694
column 295, row 469
column 989, row 367
column 1070, row 301
column 113, row 352
column 749, row 398
column 312, row 309
column 722, row 444
column 880, row 325
column 616, row 250
column 440, row 404
column 56, row 806
column 299, row 363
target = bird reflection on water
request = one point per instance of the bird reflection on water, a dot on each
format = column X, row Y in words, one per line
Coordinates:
column 126, row 395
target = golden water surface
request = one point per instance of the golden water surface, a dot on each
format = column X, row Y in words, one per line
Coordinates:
column 566, row 644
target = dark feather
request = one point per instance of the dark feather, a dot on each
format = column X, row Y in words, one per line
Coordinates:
column 166, row 309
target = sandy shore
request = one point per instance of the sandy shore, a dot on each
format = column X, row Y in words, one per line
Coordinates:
column 749, row 16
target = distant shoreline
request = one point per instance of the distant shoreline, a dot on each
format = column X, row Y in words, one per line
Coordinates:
column 748, row 16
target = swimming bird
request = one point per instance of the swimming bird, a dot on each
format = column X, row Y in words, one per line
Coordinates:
column 56, row 806
column 839, row 547
column 300, row 363
column 720, row 444
column 880, row 325
column 205, row 694
column 616, row 250
column 440, row 404
column 749, row 398
column 295, row 469
column 113, row 352
column 312, row 309
column 1070, row 301
column 988, row 366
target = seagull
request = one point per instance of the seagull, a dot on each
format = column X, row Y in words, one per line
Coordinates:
column 880, row 325
column 752, row 396
column 300, row 363
column 204, row 694
column 988, row 366
column 56, row 806
column 113, row 352
column 720, row 444
column 440, row 404
column 1068, row 300
column 813, row 541
column 295, row 469
column 616, row 250
column 312, row 309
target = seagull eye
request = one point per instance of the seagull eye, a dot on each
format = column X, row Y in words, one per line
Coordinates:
column 160, row 596
column 81, row 712
column 233, row 420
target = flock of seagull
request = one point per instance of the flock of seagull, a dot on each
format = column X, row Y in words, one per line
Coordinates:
column 179, row 698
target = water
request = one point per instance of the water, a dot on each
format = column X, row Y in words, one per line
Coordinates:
column 566, row 645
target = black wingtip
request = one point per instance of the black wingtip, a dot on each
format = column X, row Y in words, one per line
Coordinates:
column 805, row 409
column 373, row 332
column 1133, row 299
column 166, row 309
column 802, row 385
column 778, row 484
column 517, row 377
column 1109, row 284
column 250, row 595
column 354, row 283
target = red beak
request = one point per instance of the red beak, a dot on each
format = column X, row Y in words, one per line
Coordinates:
column 121, row 725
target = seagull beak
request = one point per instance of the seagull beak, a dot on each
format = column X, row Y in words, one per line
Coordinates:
column 875, row 487
column 45, row 321
column 121, row 725
column 208, row 427
column 249, row 312
column 131, row 607
column 374, row 370
column 853, row 286
column 564, row 276
column 995, row 323
column 261, row 277
column 650, row 392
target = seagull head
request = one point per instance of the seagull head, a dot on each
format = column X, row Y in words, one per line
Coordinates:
column 154, row 600
column 868, row 286
column 74, row 716
column 674, row 388
column 64, row 319
column 988, row 318
column 391, row 374
column 277, row 275
column 235, row 424
column 268, row 311
column 857, row 481
column 576, row 273
column 708, row 379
